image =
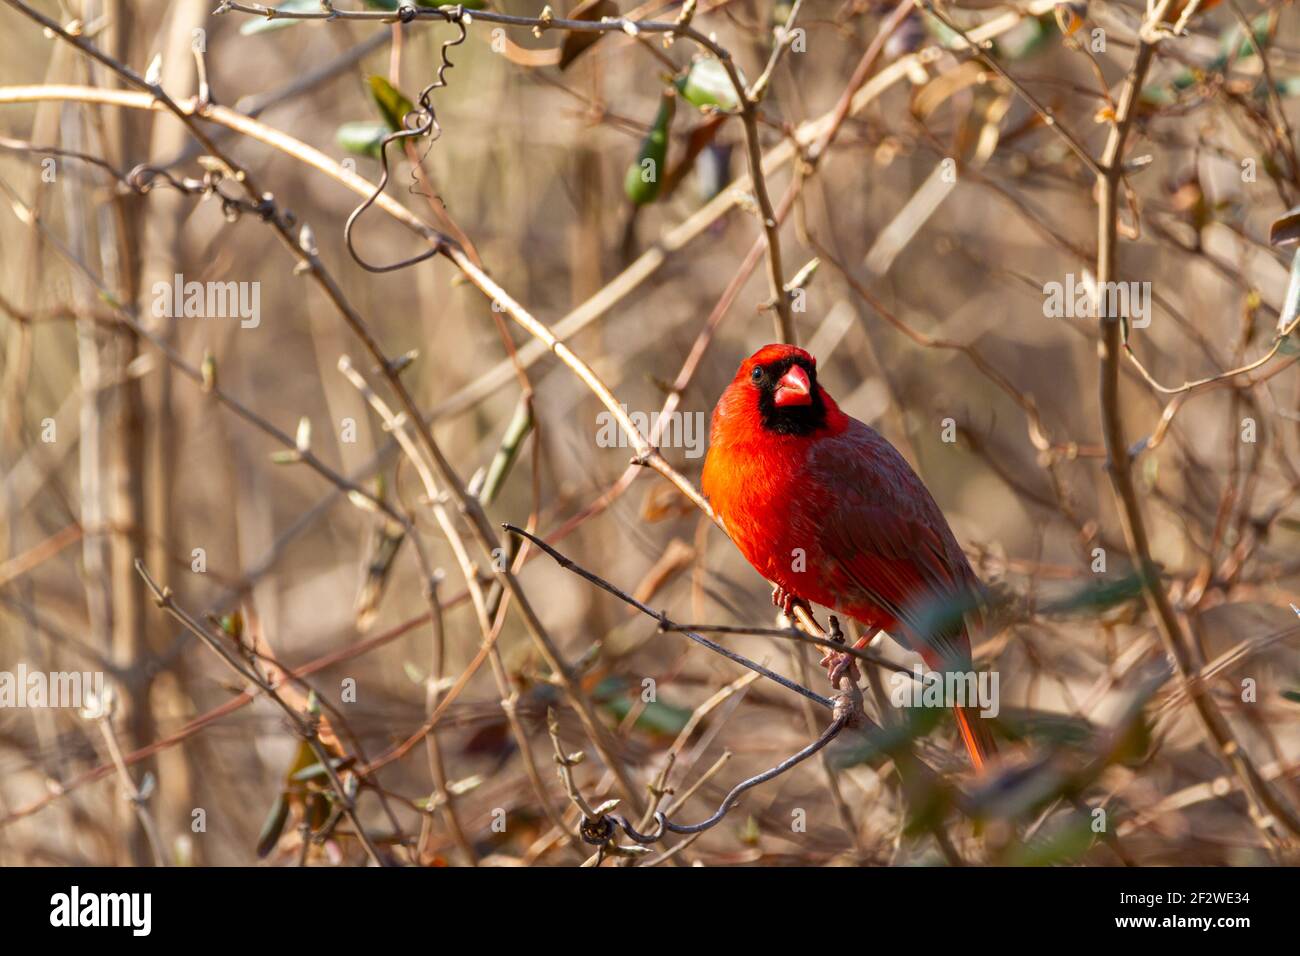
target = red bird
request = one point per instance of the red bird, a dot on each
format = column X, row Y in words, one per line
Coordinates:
column 830, row 512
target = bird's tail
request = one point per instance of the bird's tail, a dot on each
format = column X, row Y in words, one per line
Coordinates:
column 976, row 736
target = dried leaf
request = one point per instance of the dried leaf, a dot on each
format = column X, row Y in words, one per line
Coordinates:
column 1285, row 228
column 578, row 42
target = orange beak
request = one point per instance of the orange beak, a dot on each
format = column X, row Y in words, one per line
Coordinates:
column 793, row 388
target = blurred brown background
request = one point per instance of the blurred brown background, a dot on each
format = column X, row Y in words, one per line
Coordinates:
column 530, row 165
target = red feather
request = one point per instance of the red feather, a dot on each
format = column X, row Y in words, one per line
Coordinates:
column 832, row 513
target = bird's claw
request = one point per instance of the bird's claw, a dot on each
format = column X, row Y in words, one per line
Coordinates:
column 787, row 602
column 839, row 663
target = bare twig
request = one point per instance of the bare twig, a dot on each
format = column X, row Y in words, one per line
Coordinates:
column 303, row 727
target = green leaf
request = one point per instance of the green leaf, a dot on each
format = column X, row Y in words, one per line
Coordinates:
column 233, row 624
column 1017, row 791
column 1065, row 842
column 273, row 827
column 1159, row 95
column 656, row 717
column 926, row 808
column 363, row 138
column 1096, row 598
column 938, row 615
column 1044, row 727
column 513, row 440
column 1134, row 743
column 315, row 770
column 393, row 105
column 708, row 84
column 1234, row 36
column 265, row 25
column 889, row 739
column 646, row 174
column 1023, row 40
column 665, row 719
column 941, row 31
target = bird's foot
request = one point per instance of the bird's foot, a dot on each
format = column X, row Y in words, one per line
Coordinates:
column 840, row 663
column 787, row 602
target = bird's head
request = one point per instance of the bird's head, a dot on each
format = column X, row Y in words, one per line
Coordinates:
column 777, row 388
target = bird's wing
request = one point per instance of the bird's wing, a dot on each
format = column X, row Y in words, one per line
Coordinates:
column 889, row 546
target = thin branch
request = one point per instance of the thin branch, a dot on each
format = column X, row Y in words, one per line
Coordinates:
column 1268, row 810
column 306, row 729
column 667, row 624
column 978, row 49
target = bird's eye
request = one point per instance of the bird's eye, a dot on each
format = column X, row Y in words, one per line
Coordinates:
column 756, row 376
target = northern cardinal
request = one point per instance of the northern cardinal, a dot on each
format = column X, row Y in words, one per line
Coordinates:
column 830, row 512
